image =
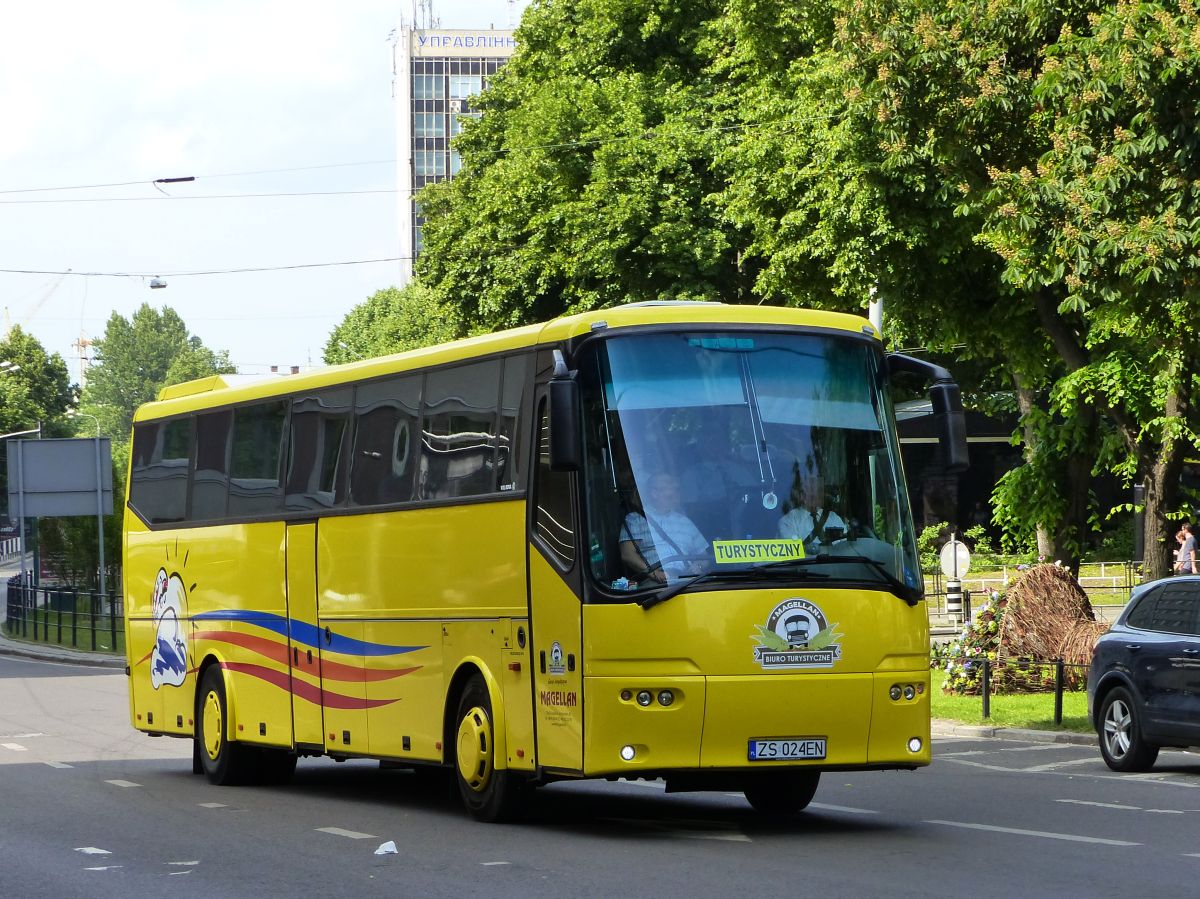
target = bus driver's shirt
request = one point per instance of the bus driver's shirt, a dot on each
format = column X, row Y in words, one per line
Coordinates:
column 665, row 535
column 798, row 524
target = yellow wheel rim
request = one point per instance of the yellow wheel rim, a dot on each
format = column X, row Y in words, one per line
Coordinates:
column 475, row 749
column 214, row 726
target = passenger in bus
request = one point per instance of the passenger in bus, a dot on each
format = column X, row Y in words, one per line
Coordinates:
column 660, row 543
column 810, row 517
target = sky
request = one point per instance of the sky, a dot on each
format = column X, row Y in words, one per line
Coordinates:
column 249, row 97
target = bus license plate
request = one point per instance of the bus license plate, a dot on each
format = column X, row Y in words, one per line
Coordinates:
column 784, row 748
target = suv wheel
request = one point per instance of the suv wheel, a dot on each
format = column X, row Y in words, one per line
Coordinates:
column 1121, row 741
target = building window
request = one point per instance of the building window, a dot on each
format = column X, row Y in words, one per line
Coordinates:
column 429, row 87
column 429, row 124
column 463, row 86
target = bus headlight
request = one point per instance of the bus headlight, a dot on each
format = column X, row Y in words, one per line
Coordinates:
column 909, row 692
column 644, row 698
column 627, row 753
column 894, row 692
column 665, row 697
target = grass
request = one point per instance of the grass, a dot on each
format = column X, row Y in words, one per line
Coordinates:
column 1027, row 710
column 54, row 629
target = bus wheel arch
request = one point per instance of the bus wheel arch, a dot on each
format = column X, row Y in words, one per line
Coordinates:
column 222, row 760
column 475, row 748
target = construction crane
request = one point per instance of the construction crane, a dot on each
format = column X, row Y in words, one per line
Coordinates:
column 33, row 310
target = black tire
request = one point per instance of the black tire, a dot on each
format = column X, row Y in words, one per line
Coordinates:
column 487, row 792
column 783, row 794
column 1120, row 728
column 224, row 762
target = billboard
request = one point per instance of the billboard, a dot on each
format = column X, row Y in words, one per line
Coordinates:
column 59, row 477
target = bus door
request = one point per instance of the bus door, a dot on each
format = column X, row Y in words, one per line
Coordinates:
column 304, row 647
column 555, row 612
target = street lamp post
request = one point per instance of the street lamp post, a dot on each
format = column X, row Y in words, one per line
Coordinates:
column 99, row 496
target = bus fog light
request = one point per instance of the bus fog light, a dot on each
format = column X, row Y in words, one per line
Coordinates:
column 914, row 744
column 894, row 692
column 909, row 692
column 644, row 698
column 627, row 753
column 665, row 697
column 626, row 695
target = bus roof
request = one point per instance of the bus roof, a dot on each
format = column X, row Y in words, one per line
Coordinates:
column 221, row 390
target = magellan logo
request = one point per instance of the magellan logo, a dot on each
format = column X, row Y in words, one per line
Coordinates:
column 797, row 636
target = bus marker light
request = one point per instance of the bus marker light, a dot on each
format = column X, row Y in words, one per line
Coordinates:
column 665, row 697
column 627, row 753
column 914, row 744
column 626, row 695
column 644, row 698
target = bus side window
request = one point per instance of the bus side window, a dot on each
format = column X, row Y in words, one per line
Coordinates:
column 385, row 437
column 554, row 515
column 317, row 449
column 512, row 447
column 255, row 486
column 458, row 439
column 210, row 480
column 161, row 454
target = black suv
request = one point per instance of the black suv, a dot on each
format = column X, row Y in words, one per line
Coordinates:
column 1144, row 683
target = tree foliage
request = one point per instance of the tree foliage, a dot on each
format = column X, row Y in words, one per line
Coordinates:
column 391, row 321
column 139, row 356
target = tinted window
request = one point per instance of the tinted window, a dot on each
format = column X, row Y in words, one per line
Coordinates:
column 385, row 441
column 210, row 481
column 1172, row 609
column 512, row 448
column 254, row 475
column 317, row 449
column 458, row 437
column 554, row 517
column 161, row 451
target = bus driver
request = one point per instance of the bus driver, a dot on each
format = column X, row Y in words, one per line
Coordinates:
column 662, row 543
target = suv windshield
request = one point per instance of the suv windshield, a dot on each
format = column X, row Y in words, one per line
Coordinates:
column 711, row 453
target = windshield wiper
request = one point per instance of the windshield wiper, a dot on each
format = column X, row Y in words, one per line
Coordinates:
column 736, row 574
column 910, row 595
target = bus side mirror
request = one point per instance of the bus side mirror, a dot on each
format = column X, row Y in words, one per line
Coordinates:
column 566, row 448
column 947, row 405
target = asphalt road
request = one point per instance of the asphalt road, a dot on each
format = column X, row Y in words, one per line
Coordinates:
column 89, row 807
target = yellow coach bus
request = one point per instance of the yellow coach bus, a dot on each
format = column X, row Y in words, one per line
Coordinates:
column 666, row 540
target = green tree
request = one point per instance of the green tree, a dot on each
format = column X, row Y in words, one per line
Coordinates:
column 139, row 356
column 588, row 179
column 391, row 321
column 35, row 389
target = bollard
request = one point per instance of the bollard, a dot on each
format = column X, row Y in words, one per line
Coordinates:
column 954, row 598
column 1058, row 690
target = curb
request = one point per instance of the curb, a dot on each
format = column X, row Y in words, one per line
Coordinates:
column 54, row 653
column 946, row 728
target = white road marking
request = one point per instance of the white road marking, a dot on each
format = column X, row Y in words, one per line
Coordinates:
column 1163, row 811
column 1050, row 766
column 351, row 834
column 1132, row 808
column 92, row 850
column 1191, row 855
column 492, row 864
column 174, row 873
column 213, row 805
column 20, row 736
column 122, row 783
column 1047, row 835
column 730, row 837
column 15, row 747
column 183, row 864
column 105, row 868
column 842, row 808
column 58, row 764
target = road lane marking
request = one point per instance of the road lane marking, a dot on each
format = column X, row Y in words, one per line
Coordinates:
column 15, row 747
column 122, row 783
column 842, row 808
column 20, row 736
column 1050, row 766
column 493, row 864
column 1132, row 808
column 1044, row 834
column 58, row 764
column 213, row 805
column 1164, row 811
column 351, row 834
column 183, row 864
column 92, row 850
column 105, row 868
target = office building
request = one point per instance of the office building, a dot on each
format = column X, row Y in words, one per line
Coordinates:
column 437, row 73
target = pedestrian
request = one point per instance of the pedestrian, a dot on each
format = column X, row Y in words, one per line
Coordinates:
column 1186, row 563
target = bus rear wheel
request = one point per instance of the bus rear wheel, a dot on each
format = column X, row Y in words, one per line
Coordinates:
column 223, row 762
column 782, row 794
column 488, row 793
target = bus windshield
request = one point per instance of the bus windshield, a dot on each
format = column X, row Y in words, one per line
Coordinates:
column 722, row 456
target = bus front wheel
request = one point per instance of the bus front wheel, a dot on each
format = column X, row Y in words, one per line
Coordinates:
column 223, row 762
column 782, row 794
column 489, row 793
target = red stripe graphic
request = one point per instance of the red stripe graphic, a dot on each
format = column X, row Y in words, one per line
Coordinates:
column 305, row 690
column 278, row 652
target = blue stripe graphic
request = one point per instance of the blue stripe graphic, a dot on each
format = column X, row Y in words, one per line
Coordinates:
column 306, row 634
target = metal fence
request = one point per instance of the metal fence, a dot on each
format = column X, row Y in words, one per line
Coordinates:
column 1067, row 676
column 65, row 616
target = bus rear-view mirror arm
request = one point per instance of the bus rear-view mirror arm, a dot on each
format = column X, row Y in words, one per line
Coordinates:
column 566, row 447
column 947, row 405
